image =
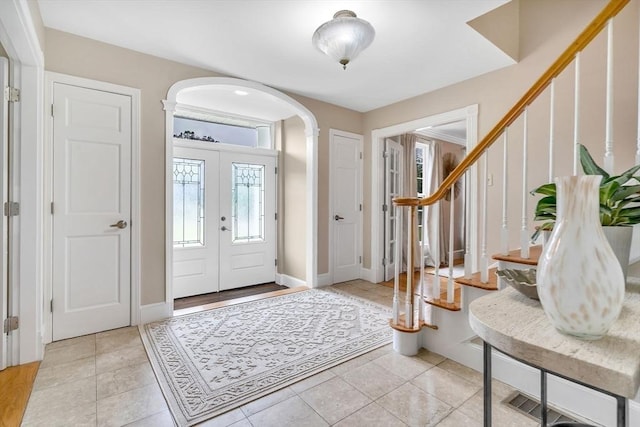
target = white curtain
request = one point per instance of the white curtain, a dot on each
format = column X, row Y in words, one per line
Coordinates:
column 435, row 234
column 410, row 188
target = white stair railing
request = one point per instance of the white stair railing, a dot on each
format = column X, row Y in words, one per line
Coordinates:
column 576, row 114
column 524, row 230
column 608, row 123
column 451, row 242
column 484, row 257
column 504, row 231
column 552, row 127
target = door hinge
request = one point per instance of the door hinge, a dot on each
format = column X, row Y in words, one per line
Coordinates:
column 12, row 94
column 359, row 260
column 385, row 154
column 10, row 324
column 360, row 207
column 51, row 208
column 276, row 170
column 11, row 209
column 384, row 261
column 275, row 262
column 361, row 155
column 52, row 110
column 276, row 216
column 51, row 306
column 385, row 208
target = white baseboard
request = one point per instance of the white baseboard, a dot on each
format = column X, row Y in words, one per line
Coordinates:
column 324, row 280
column 289, row 281
column 368, row 274
column 153, row 312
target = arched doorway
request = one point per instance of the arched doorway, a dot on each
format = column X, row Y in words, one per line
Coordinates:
column 171, row 104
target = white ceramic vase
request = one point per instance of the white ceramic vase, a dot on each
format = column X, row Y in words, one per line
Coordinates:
column 580, row 281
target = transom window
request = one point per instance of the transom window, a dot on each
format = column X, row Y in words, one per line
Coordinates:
column 249, row 135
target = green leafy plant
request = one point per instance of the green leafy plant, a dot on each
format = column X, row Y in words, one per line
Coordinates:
column 619, row 196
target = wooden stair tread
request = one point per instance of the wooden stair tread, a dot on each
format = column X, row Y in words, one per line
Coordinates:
column 474, row 281
column 402, row 328
column 442, row 300
column 514, row 256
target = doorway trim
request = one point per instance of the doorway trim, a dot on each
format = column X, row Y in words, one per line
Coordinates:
column 26, row 61
column 311, row 134
column 135, row 219
column 470, row 115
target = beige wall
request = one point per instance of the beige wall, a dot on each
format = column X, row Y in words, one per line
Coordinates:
column 292, row 215
column 547, row 27
column 78, row 56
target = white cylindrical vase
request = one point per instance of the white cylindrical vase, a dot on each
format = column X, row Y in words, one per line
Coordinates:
column 580, row 281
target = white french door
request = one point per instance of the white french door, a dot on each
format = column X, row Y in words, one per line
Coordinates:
column 224, row 224
column 247, row 221
column 346, row 199
column 393, row 174
column 92, row 138
column 195, row 210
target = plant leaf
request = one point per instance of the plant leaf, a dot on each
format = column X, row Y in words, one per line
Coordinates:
column 589, row 166
column 546, row 190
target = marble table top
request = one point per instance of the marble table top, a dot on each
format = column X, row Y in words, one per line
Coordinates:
column 517, row 326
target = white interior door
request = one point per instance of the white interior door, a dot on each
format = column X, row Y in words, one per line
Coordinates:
column 392, row 188
column 91, row 194
column 4, row 144
column 247, row 219
column 346, row 185
column 195, row 221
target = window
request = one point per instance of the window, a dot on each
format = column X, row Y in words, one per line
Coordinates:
column 248, row 202
column 422, row 159
column 246, row 135
column 188, row 202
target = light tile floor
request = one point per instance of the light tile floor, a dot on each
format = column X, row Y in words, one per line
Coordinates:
column 106, row 380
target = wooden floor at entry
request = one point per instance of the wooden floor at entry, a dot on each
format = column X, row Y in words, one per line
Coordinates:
column 16, row 383
column 204, row 299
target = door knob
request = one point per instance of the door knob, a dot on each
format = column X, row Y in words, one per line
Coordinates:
column 337, row 217
column 223, row 228
column 120, row 224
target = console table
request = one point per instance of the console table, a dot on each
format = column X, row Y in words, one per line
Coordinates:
column 516, row 326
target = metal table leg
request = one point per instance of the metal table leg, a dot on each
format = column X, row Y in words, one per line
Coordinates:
column 543, row 398
column 487, row 384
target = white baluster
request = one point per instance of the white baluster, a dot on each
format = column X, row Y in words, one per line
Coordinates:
column 608, row 130
column 420, row 304
column 451, row 240
column 524, row 232
column 436, row 251
column 504, row 232
column 576, row 114
column 397, row 212
column 408, row 309
column 552, row 126
column 468, row 270
column 638, row 140
column 484, row 259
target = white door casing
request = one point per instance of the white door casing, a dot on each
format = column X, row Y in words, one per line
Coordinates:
column 4, row 263
column 195, row 266
column 92, row 141
column 393, row 173
column 346, row 202
column 247, row 247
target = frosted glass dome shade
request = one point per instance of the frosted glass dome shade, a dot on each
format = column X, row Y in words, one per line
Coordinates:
column 344, row 37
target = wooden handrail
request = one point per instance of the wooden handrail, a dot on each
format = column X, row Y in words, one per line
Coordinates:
column 589, row 33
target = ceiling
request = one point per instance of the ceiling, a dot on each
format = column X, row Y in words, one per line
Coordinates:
column 420, row 45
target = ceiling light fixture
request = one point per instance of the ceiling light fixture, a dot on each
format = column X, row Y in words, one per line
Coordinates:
column 241, row 92
column 344, row 37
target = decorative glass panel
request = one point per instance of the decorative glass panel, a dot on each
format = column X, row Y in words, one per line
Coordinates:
column 188, row 202
column 248, row 202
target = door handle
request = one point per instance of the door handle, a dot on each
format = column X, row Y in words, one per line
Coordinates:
column 337, row 217
column 224, row 228
column 120, row 224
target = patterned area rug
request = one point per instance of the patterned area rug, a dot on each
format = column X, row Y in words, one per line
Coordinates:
column 210, row 362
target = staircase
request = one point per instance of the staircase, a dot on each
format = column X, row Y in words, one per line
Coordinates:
column 511, row 134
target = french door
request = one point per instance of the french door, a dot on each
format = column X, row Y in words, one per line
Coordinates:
column 224, row 220
column 393, row 175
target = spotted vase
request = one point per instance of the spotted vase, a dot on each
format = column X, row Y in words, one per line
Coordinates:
column 580, row 281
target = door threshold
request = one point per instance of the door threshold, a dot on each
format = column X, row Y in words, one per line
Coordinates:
column 241, row 300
